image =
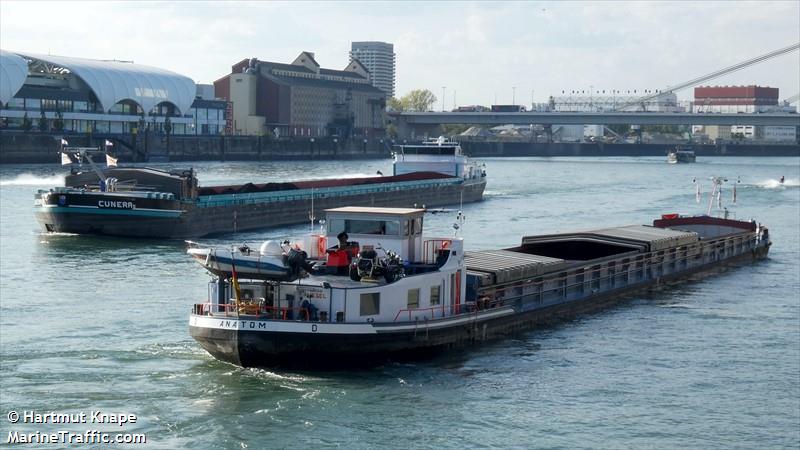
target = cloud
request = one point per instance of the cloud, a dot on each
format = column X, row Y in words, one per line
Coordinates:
column 475, row 48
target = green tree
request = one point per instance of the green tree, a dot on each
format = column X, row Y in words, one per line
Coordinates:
column 620, row 129
column 418, row 100
column 453, row 129
column 26, row 123
column 663, row 129
column 395, row 104
column 58, row 123
column 42, row 122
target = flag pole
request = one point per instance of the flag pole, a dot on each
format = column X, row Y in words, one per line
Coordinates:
column 234, row 282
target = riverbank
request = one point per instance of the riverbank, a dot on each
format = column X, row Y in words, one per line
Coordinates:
column 43, row 148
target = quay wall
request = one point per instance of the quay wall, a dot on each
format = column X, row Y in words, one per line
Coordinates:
column 497, row 148
column 35, row 148
column 43, row 148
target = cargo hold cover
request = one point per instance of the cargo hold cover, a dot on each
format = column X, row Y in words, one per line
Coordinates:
column 652, row 238
column 505, row 266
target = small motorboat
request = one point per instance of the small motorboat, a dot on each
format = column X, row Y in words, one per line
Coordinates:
column 272, row 261
column 681, row 156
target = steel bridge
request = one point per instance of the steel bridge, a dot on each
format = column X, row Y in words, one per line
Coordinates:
column 429, row 121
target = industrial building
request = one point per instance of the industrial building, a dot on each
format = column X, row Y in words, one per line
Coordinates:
column 302, row 99
column 734, row 99
column 77, row 95
column 741, row 99
column 379, row 59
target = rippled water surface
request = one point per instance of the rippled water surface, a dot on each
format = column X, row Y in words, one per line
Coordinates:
column 90, row 323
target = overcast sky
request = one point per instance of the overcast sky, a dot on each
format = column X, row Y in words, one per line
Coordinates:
column 479, row 51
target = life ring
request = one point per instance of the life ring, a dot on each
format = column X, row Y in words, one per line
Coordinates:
column 321, row 245
column 445, row 244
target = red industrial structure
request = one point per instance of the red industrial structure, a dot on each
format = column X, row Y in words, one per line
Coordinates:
column 735, row 95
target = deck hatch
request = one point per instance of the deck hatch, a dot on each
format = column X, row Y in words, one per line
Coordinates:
column 506, row 265
column 635, row 236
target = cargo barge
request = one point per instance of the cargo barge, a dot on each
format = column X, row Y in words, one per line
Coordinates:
column 379, row 295
column 145, row 202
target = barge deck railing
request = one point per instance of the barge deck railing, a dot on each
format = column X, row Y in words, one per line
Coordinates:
column 631, row 265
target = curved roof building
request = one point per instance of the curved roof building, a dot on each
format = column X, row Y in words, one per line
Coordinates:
column 114, row 81
column 13, row 71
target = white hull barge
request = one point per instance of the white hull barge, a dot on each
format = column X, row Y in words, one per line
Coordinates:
column 448, row 298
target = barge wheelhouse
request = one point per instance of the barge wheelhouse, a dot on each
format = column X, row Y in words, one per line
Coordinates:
column 441, row 296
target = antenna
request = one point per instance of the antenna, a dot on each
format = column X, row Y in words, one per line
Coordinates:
column 460, row 219
column 311, row 213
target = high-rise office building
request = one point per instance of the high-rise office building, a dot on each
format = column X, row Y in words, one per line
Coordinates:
column 379, row 59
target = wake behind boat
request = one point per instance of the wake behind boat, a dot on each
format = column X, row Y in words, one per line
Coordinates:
column 145, row 202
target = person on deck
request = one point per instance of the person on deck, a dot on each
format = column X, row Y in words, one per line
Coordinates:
column 342, row 237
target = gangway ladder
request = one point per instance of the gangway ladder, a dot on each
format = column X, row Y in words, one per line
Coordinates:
column 416, row 327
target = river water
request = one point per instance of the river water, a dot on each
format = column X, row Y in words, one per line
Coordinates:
column 89, row 323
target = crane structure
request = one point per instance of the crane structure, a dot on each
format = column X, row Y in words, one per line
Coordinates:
column 693, row 82
column 792, row 99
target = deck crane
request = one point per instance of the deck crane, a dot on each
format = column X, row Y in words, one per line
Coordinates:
column 643, row 100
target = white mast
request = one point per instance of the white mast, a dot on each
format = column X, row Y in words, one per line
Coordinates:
column 716, row 192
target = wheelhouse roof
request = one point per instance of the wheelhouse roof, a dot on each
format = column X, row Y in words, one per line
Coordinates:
column 400, row 212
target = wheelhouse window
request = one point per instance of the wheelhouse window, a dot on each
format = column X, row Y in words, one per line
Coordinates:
column 436, row 296
column 370, row 304
column 413, row 298
column 416, row 226
column 356, row 226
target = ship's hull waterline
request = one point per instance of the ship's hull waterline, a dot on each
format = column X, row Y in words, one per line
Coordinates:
column 175, row 219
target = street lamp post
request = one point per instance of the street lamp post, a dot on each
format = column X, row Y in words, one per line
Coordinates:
column 513, row 95
column 443, row 87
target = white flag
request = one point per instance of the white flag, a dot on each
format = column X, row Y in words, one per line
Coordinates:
column 64, row 142
column 109, row 143
column 65, row 159
column 111, row 162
